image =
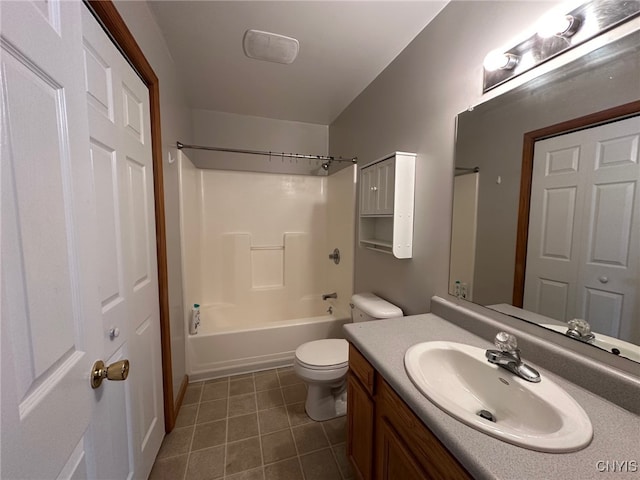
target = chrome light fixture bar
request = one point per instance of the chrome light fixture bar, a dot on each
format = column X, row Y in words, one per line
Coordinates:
column 556, row 33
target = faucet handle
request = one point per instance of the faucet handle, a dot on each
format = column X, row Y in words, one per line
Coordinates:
column 581, row 326
column 506, row 342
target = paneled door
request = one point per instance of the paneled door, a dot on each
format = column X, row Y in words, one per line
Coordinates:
column 583, row 256
column 79, row 279
column 121, row 160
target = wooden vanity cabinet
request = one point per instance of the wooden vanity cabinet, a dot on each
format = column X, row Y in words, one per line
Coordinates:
column 385, row 439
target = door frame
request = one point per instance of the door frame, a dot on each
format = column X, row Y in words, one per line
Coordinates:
column 530, row 138
column 114, row 25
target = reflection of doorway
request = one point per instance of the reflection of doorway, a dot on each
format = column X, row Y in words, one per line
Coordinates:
column 463, row 233
column 582, row 256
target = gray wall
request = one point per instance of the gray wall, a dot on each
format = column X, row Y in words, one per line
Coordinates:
column 412, row 106
column 175, row 117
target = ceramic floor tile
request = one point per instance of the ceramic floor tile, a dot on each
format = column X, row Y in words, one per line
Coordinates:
column 209, row 435
column 210, row 411
column 169, row 468
column 273, row 419
column 187, row 415
column 217, row 380
column 215, row 391
column 309, row 437
column 241, row 427
column 320, row 466
column 192, row 395
column 286, row 470
column 243, row 455
column 266, row 380
column 176, row 443
column 289, row 378
column 278, row 446
column 269, row 399
column 242, row 404
column 257, row 474
column 207, row 464
column 336, row 430
column 297, row 414
column 340, row 452
column 294, row 393
column 241, row 386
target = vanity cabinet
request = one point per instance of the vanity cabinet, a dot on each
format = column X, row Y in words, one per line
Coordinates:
column 385, row 439
column 386, row 204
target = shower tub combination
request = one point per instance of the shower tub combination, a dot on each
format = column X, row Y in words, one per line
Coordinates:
column 223, row 346
column 254, row 249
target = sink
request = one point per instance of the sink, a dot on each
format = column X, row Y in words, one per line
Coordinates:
column 458, row 379
column 625, row 349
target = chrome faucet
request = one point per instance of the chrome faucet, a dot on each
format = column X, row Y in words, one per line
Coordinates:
column 329, row 295
column 508, row 357
column 580, row 330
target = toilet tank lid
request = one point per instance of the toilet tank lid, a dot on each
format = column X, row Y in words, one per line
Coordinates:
column 375, row 306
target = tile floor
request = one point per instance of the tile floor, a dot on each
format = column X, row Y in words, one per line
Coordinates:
column 252, row 426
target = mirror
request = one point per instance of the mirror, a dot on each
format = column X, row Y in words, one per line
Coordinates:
column 497, row 236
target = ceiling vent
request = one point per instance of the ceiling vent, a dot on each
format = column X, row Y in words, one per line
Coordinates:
column 270, row 47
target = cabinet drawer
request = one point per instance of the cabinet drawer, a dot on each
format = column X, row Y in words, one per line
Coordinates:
column 362, row 369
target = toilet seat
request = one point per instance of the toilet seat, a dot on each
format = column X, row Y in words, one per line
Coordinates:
column 328, row 354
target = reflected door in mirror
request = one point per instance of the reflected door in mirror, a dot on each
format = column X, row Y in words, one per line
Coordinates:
column 584, row 237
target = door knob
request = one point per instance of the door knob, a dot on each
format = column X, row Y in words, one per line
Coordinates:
column 116, row 371
column 603, row 279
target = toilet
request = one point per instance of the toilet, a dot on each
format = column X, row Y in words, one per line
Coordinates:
column 323, row 364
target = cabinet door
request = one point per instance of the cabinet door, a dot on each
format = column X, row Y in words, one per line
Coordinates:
column 359, row 429
column 395, row 461
column 368, row 189
column 385, row 183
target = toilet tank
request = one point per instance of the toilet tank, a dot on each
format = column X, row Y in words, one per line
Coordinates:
column 367, row 306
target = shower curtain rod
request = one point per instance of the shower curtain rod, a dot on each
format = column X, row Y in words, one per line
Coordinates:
column 473, row 169
column 269, row 154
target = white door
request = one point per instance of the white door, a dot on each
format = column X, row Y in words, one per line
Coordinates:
column 71, row 204
column 50, row 308
column 385, row 183
column 121, row 159
column 583, row 256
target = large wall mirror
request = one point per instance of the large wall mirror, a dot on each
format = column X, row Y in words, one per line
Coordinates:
column 546, row 223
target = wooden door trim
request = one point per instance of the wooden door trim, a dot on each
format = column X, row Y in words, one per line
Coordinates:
column 115, row 26
column 530, row 138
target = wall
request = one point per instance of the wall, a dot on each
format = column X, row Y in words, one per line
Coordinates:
column 228, row 130
column 411, row 106
column 175, row 126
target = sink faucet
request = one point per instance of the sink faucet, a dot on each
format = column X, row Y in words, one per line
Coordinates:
column 508, row 357
column 329, row 295
column 580, row 330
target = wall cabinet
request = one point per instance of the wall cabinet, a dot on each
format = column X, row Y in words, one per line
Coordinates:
column 385, row 439
column 386, row 204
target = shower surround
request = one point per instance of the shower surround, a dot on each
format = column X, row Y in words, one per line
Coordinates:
column 255, row 257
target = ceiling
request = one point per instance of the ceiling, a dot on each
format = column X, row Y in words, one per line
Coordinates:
column 343, row 47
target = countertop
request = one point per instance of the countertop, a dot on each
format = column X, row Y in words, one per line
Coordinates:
column 616, row 435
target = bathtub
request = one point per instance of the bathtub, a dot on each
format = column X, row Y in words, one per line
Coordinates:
column 228, row 344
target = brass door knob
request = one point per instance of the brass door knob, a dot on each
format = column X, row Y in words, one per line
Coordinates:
column 116, row 371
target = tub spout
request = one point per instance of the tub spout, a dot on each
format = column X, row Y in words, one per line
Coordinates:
column 329, row 295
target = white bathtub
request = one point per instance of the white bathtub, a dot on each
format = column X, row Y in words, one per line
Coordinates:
column 225, row 345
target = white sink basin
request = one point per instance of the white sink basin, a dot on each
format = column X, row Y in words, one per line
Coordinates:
column 459, row 380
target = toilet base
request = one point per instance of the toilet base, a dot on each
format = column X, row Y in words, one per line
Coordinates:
column 325, row 402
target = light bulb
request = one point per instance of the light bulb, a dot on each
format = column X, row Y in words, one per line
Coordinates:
column 497, row 60
column 557, row 25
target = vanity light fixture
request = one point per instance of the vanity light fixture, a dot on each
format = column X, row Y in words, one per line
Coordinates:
column 556, row 32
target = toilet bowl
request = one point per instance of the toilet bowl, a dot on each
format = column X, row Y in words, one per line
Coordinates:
column 323, row 364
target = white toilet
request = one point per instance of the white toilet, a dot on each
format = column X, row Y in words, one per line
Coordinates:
column 323, row 364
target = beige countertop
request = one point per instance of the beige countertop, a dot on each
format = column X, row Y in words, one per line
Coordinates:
column 616, row 435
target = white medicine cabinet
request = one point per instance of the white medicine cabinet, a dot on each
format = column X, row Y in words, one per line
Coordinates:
column 386, row 204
